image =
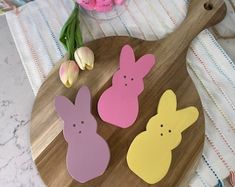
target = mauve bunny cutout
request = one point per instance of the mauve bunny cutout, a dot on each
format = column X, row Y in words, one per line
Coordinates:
column 119, row 104
column 99, row 5
column 88, row 153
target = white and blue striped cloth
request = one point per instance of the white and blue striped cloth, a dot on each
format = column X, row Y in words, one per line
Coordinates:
column 36, row 28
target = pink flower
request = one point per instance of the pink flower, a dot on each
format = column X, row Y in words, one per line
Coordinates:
column 99, row 5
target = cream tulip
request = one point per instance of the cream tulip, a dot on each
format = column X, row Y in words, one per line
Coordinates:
column 68, row 73
column 84, row 57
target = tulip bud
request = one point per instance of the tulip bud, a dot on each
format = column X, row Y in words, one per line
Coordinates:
column 84, row 57
column 68, row 73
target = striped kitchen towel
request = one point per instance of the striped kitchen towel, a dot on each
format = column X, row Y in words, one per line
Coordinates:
column 35, row 29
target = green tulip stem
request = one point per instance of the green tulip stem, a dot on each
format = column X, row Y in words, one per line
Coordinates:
column 70, row 35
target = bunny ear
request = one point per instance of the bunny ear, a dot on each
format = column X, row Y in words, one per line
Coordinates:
column 64, row 107
column 127, row 57
column 167, row 103
column 145, row 64
column 187, row 117
column 83, row 99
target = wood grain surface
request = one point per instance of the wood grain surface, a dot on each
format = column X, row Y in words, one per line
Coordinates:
column 47, row 142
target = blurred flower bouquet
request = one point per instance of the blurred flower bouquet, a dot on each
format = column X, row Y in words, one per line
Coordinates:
column 99, row 5
column 79, row 56
column 6, row 5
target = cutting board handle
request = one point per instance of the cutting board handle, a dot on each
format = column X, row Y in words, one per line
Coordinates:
column 205, row 13
column 201, row 15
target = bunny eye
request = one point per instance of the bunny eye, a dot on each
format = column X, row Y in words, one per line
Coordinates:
column 124, row 76
column 132, row 79
column 169, row 131
column 161, row 125
column 82, row 122
column 161, row 134
column 74, row 125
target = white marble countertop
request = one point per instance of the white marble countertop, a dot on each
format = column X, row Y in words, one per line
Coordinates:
column 16, row 99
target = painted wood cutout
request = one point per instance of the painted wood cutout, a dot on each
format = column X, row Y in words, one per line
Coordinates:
column 88, row 153
column 119, row 104
column 149, row 155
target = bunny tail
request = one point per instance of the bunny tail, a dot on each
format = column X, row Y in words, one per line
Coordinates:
column 232, row 178
column 220, row 184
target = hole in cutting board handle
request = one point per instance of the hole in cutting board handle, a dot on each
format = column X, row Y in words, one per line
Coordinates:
column 208, row 6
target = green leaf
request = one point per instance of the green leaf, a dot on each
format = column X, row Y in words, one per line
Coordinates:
column 70, row 35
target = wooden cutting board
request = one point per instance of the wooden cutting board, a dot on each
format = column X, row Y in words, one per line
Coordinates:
column 47, row 141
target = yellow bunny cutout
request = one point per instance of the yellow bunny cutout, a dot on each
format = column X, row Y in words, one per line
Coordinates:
column 149, row 155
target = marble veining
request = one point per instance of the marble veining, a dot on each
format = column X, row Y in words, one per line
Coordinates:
column 16, row 99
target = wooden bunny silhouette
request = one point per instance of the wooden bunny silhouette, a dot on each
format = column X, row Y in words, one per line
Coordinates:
column 119, row 105
column 88, row 154
column 149, row 155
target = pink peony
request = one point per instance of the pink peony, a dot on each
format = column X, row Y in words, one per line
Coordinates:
column 99, row 5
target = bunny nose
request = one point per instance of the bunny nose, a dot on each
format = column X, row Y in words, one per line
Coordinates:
column 125, row 84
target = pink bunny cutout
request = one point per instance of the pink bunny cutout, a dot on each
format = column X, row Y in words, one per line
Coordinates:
column 119, row 105
column 88, row 153
column 99, row 5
